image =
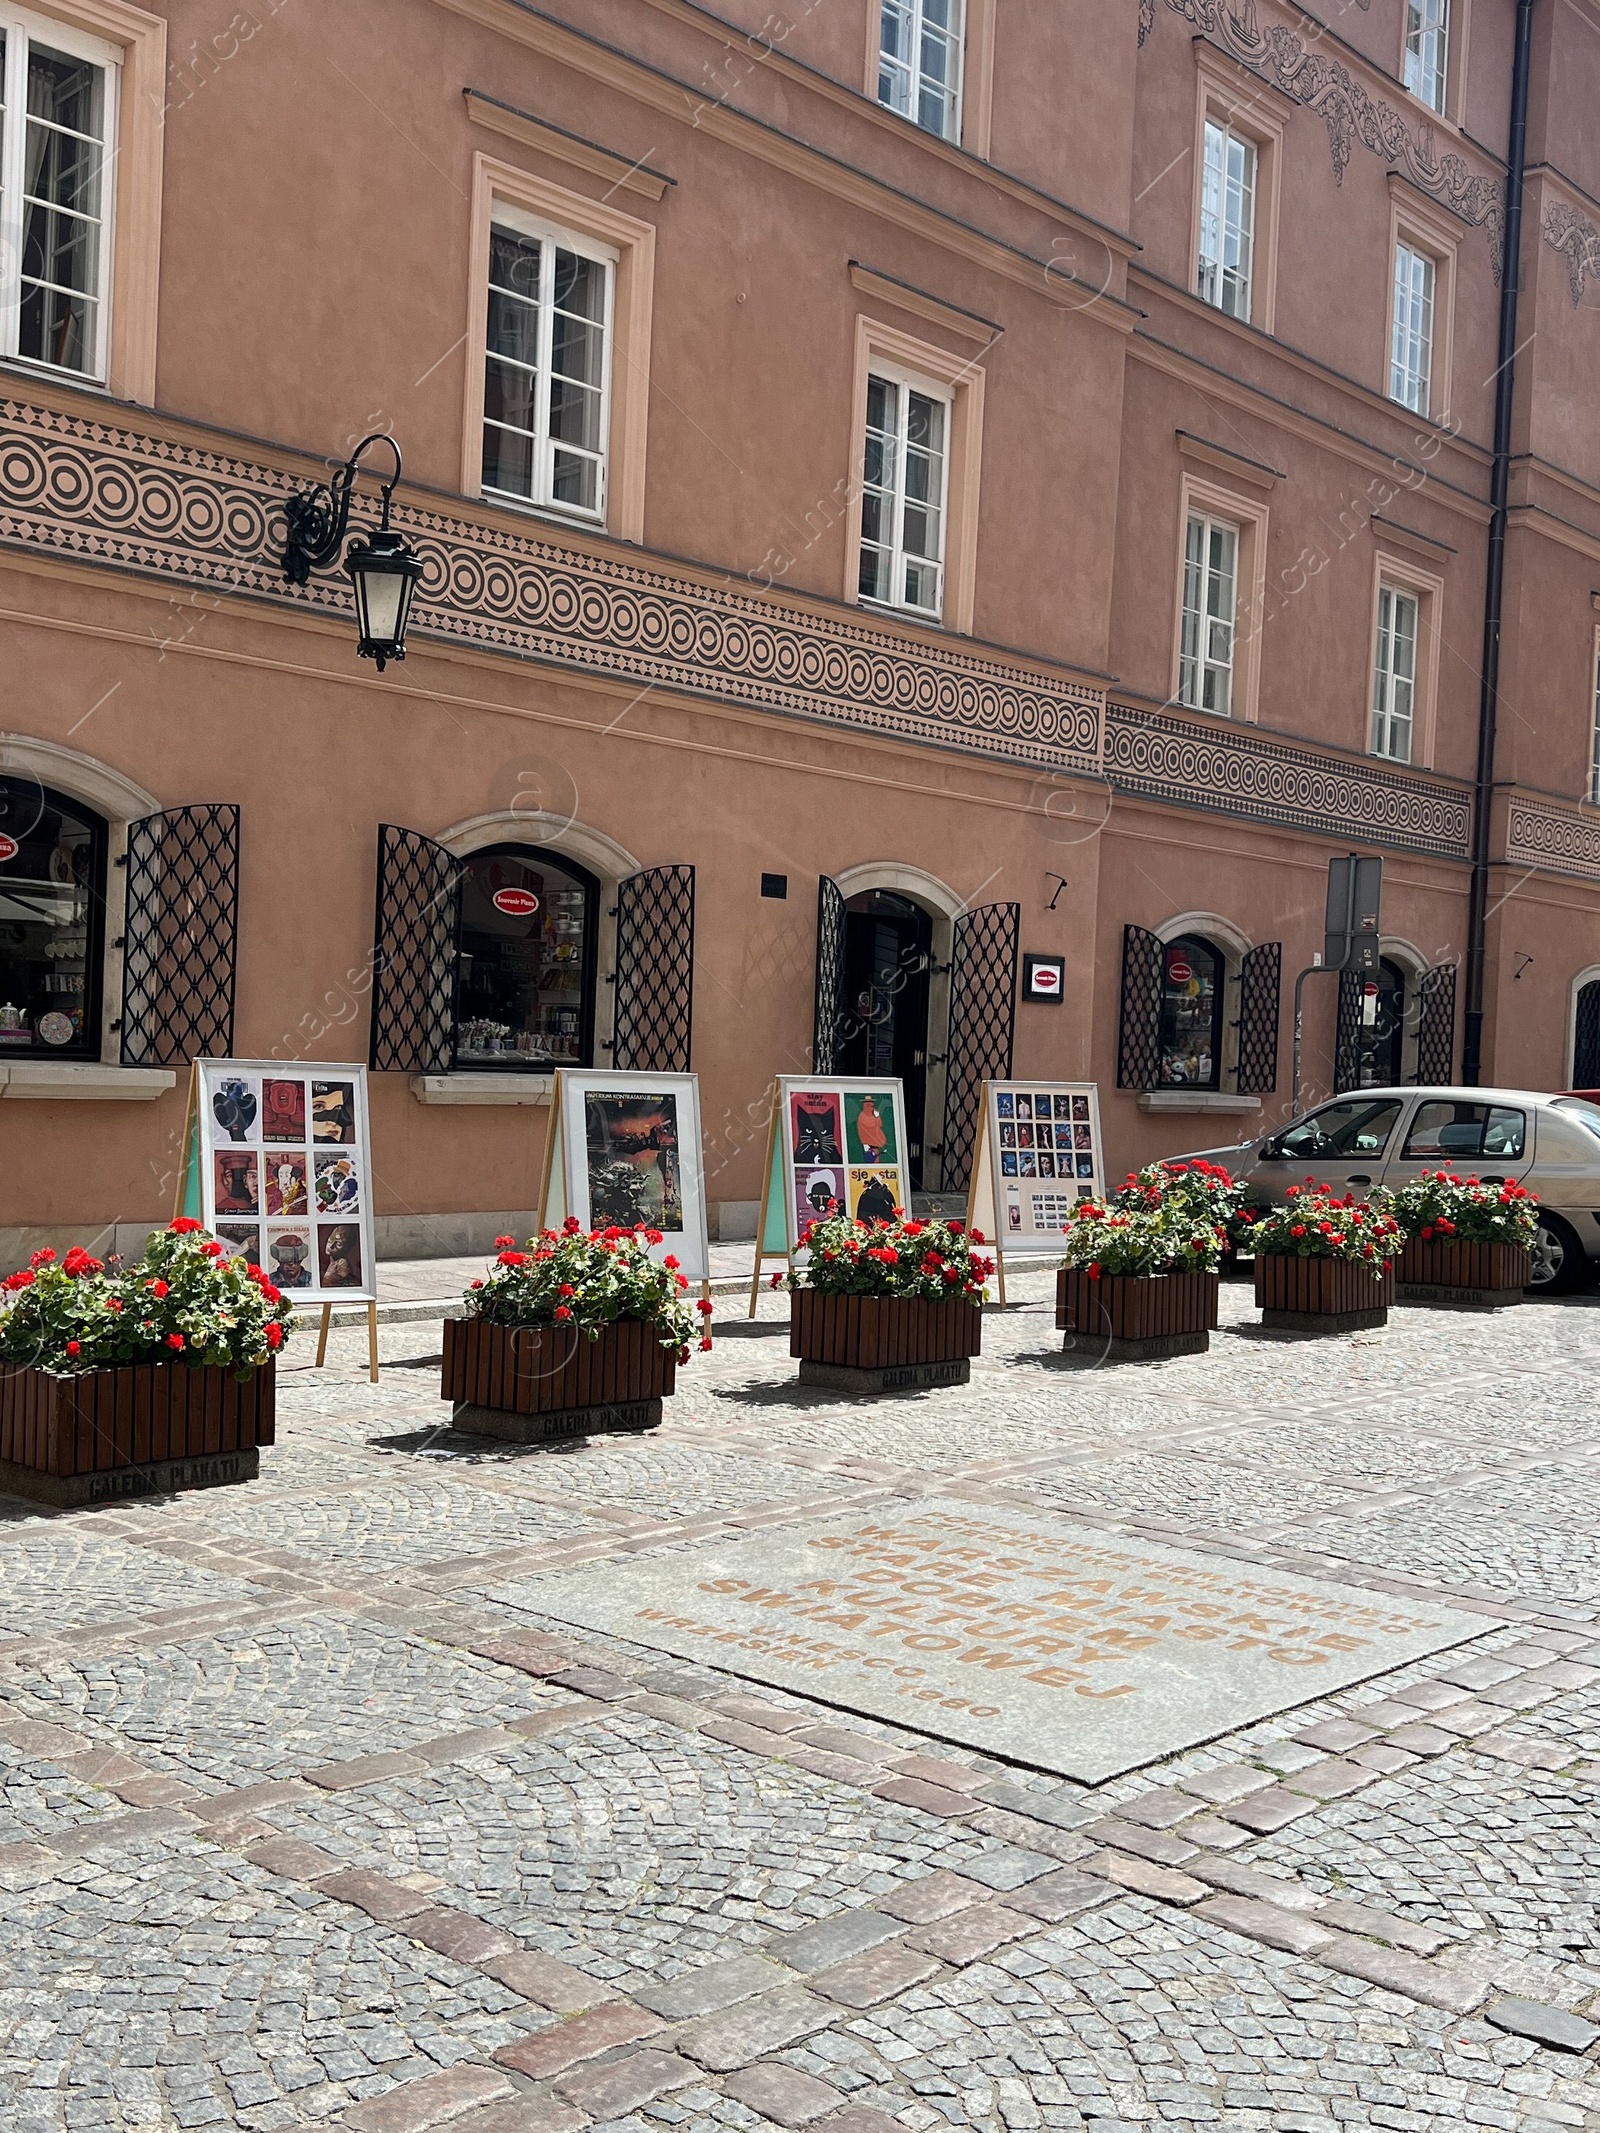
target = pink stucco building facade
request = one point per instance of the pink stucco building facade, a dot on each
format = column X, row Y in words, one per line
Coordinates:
column 903, row 488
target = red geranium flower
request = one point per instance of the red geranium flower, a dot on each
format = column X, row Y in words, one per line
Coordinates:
column 274, row 1334
column 174, row 1340
column 72, row 1347
column 184, row 1226
column 504, row 1244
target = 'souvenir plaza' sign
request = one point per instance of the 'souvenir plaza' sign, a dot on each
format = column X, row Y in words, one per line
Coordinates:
column 1049, row 1644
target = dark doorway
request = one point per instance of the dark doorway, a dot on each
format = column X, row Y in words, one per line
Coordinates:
column 888, row 959
column 1382, row 1040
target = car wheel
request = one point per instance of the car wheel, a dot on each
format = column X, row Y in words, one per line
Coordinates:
column 1559, row 1260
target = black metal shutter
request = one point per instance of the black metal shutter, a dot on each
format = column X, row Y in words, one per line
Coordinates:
column 1347, row 1035
column 180, row 936
column 1436, row 1025
column 827, row 996
column 983, row 1017
column 1258, row 1019
column 654, row 977
column 414, row 954
column 1586, row 1038
column 1139, row 1025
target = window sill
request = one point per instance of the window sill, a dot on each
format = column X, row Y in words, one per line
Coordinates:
column 1197, row 1100
column 483, row 1088
column 83, row 1081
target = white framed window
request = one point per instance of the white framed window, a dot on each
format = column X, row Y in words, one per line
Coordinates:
column 919, row 62
column 1411, row 341
column 905, row 474
column 1227, row 219
column 58, row 102
column 1210, row 615
column 1394, row 678
column 1427, row 50
column 547, row 367
column 1594, row 734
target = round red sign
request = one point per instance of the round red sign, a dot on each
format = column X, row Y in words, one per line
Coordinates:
column 1178, row 969
column 516, row 903
column 1046, row 978
column 8, row 847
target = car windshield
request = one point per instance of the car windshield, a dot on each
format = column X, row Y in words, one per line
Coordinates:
column 1359, row 1126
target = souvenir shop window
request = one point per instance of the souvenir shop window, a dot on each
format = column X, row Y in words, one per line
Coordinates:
column 1193, row 978
column 526, row 968
column 52, row 906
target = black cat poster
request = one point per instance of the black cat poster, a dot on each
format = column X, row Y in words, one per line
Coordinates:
column 838, row 1148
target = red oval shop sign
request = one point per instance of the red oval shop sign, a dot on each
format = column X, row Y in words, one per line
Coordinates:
column 8, row 848
column 1046, row 978
column 1178, row 969
column 516, row 903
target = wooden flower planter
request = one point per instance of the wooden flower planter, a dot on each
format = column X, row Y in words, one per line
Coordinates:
column 882, row 1343
column 1134, row 1318
column 1321, row 1295
column 139, row 1429
column 530, row 1383
column 1462, row 1277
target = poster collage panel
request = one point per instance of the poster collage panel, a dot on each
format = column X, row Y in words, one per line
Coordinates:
column 844, row 1151
column 285, row 1173
column 1045, row 1142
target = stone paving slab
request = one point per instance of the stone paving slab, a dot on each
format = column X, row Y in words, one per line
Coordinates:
column 1053, row 1646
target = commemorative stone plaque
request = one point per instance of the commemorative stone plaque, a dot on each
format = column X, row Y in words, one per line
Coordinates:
column 1051, row 1644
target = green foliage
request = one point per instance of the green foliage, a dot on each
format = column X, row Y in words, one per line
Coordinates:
column 1439, row 1208
column 185, row 1301
column 1317, row 1225
column 931, row 1260
column 586, row 1280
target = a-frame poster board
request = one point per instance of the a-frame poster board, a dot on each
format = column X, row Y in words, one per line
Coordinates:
column 276, row 1162
column 829, row 1138
column 1038, row 1154
column 624, row 1149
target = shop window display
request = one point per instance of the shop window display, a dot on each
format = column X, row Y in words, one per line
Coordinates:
column 1190, row 1043
column 525, row 997
column 52, row 899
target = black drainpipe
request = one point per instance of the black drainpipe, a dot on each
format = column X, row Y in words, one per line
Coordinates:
column 1494, row 588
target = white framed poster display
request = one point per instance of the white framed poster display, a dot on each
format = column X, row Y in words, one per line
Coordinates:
column 1039, row 1153
column 829, row 1137
column 277, row 1163
column 623, row 1150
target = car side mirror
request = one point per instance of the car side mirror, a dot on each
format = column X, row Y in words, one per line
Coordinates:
column 1272, row 1151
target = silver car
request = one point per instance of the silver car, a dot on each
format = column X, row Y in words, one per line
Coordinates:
column 1368, row 1137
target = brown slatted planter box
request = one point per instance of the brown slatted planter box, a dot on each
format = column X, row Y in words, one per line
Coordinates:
column 1321, row 1295
column 530, row 1383
column 1458, row 1276
column 1134, row 1318
column 882, row 1343
column 138, row 1429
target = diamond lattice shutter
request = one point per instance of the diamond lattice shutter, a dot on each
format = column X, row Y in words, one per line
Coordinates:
column 414, row 954
column 827, row 996
column 1139, row 1026
column 180, row 936
column 983, row 1005
column 1436, row 1025
column 1259, row 975
column 654, row 977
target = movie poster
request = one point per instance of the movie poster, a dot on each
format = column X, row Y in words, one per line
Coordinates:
column 279, row 1172
column 625, row 1154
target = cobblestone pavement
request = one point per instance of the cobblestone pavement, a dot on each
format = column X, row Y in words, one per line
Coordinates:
column 309, row 1818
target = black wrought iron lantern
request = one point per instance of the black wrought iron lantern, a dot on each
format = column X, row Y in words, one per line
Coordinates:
column 383, row 565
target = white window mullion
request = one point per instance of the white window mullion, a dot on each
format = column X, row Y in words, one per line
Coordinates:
column 545, row 450
column 13, row 148
column 1594, row 745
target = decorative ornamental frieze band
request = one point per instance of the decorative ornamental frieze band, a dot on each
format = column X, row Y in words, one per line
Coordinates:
column 1351, row 115
column 1236, row 771
column 75, row 487
column 1578, row 242
column 1538, row 835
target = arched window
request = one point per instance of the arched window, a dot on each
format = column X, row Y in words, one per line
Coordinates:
column 1189, row 1041
column 1586, row 1037
column 52, row 911
column 526, row 967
